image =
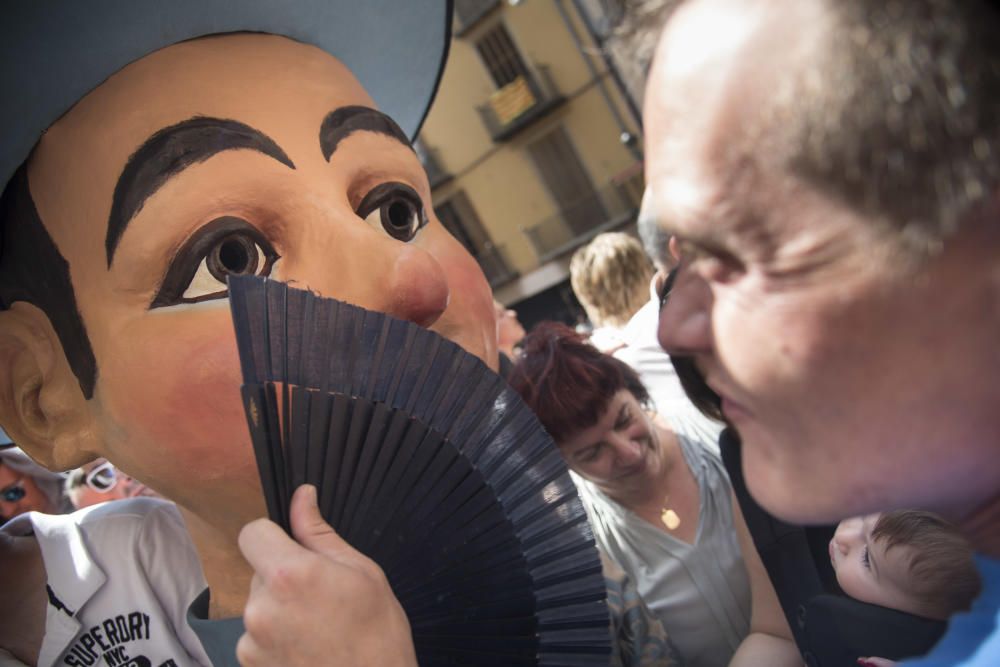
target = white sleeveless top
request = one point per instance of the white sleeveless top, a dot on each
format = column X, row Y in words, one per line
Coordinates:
column 700, row 592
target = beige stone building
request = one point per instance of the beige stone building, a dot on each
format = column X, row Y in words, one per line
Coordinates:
column 524, row 146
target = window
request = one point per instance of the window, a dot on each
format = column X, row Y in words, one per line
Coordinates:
column 436, row 173
column 460, row 218
column 566, row 178
column 500, row 56
column 467, row 12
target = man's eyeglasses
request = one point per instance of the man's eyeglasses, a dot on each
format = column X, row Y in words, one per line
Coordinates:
column 103, row 478
column 12, row 493
column 668, row 284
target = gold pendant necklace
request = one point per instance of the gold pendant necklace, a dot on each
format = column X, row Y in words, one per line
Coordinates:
column 668, row 517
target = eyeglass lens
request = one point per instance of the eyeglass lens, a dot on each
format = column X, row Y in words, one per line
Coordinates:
column 668, row 284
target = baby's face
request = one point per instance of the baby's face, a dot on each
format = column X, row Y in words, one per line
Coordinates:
column 869, row 573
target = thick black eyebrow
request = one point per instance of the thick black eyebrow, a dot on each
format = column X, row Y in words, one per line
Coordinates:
column 343, row 122
column 168, row 152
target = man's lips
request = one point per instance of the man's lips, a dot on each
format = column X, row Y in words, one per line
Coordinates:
column 733, row 410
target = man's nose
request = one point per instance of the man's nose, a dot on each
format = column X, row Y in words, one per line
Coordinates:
column 361, row 266
column 685, row 326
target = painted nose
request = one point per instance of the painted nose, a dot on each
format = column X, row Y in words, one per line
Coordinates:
column 356, row 265
column 685, row 326
column 418, row 288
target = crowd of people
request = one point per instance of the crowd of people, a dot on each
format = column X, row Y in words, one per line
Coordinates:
column 26, row 486
column 782, row 427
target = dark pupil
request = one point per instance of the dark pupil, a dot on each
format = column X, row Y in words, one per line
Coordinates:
column 236, row 255
column 399, row 214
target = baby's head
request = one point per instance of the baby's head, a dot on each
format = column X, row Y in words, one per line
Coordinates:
column 907, row 560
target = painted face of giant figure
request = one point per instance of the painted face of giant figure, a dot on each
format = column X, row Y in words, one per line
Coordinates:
column 235, row 153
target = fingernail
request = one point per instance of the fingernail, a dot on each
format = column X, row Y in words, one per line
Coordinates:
column 311, row 493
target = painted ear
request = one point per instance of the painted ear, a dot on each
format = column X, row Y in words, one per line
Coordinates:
column 42, row 406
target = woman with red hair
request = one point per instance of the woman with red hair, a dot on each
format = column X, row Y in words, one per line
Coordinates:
column 659, row 501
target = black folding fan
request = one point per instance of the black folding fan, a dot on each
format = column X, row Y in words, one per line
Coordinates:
column 428, row 463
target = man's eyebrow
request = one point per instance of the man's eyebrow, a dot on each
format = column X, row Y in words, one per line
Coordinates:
column 344, row 121
column 168, row 152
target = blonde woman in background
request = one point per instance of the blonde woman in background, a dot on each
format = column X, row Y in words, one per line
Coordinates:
column 610, row 277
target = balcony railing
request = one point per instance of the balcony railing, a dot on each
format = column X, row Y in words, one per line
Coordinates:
column 576, row 223
column 491, row 259
column 519, row 103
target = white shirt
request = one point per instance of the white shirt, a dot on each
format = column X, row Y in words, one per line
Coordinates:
column 607, row 339
column 643, row 353
column 121, row 576
column 700, row 592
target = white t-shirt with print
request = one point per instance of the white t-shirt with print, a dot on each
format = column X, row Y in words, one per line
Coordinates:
column 121, row 576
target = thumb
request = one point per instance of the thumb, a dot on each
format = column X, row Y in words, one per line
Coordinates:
column 308, row 526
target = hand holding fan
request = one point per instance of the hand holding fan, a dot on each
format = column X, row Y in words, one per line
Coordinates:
column 429, row 464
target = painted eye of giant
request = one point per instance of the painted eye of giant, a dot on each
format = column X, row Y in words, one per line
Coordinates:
column 396, row 208
column 225, row 247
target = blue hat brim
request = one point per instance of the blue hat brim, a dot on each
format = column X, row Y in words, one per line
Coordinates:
column 54, row 52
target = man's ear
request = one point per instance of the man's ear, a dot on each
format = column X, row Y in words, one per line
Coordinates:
column 675, row 248
column 42, row 406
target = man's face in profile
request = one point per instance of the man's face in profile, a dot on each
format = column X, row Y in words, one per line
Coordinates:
column 855, row 380
column 343, row 212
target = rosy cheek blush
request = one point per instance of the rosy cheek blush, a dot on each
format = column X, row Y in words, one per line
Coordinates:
column 177, row 389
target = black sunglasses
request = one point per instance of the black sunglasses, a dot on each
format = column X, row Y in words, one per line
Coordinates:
column 14, row 492
column 666, row 286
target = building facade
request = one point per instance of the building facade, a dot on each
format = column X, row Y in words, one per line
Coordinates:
column 532, row 147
